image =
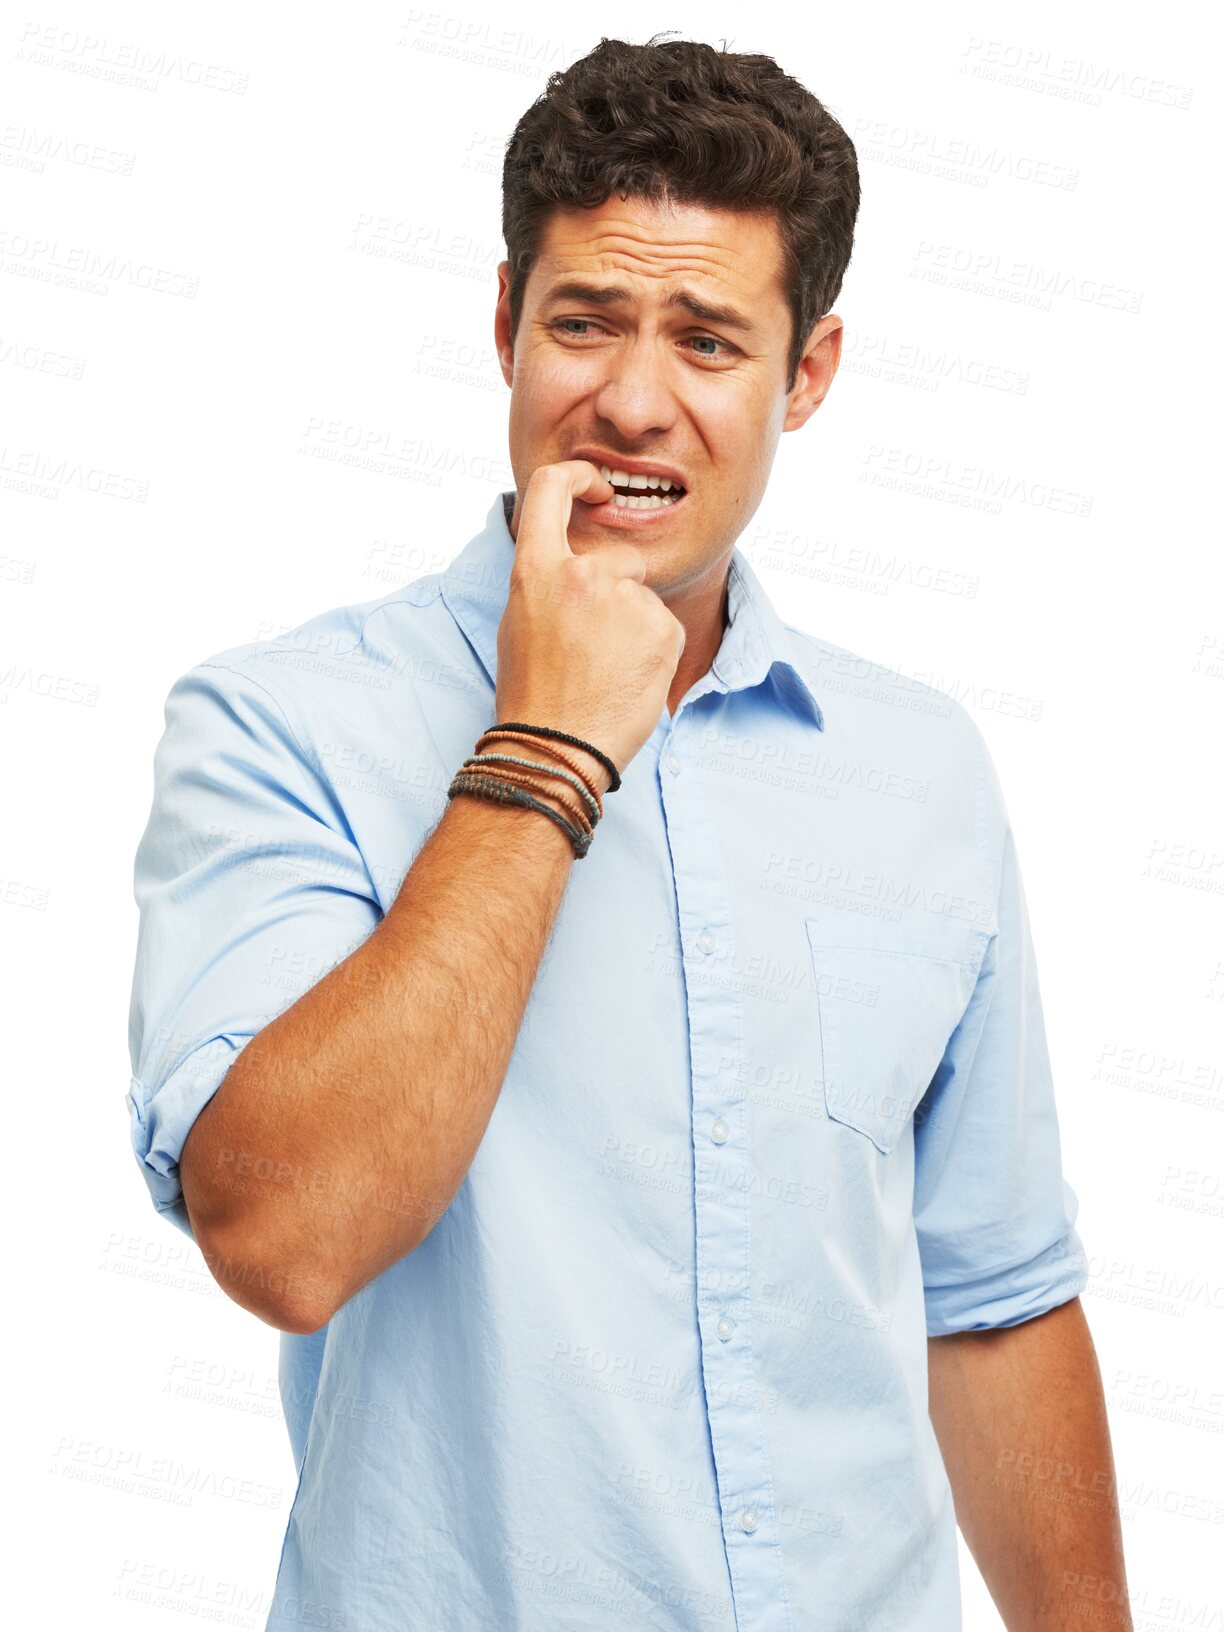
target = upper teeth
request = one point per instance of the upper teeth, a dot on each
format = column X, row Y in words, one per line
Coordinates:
column 625, row 478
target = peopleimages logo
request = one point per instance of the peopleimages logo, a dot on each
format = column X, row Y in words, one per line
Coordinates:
column 1072, row 79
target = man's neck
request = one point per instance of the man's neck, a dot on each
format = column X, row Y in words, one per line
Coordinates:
column 699, row 652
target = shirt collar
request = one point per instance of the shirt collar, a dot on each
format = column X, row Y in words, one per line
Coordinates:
column 476, row 584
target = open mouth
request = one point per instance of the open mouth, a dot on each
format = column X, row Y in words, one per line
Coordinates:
column 635, row 492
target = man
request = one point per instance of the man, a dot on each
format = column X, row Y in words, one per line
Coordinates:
column 618, row 1218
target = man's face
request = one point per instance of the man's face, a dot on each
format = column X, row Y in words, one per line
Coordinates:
column 645, row 377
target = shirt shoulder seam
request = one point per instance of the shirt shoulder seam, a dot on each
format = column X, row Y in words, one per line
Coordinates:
column 284, row 710
column 433, row 580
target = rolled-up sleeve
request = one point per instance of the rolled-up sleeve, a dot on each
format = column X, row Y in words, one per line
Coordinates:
column 249, row 886
column 995, row 1217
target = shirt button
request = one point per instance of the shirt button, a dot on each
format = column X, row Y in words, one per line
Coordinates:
column 706, row 941
column 673, row 764
column 720, row 1132
column 749, row 1519
column 725, row 1327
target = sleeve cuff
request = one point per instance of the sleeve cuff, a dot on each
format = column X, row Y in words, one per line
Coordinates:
column 1010, row 1295
column 162, row 1119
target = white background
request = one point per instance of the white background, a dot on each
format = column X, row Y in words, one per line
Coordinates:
column 292, row 222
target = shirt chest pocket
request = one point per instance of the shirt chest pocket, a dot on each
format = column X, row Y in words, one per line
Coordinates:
column 888, row 998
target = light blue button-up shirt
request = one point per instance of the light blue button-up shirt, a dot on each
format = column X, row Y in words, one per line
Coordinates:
column 779, row 1109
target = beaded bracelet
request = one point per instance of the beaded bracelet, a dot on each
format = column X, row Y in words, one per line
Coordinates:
column 511, row 734
column 502, row 792
column 575, row 782
column 524, row 779
column 576, row 742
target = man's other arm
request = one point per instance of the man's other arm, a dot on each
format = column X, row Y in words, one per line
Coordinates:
column 1019, row 1412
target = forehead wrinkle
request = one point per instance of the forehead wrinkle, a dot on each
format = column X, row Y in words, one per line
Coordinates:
column 688, row 256
column 710, row 280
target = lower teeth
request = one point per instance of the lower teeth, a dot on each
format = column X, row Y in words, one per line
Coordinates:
column 644, row 501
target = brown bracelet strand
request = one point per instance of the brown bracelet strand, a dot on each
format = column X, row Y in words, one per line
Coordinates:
column 527, row 762
column 547, row 747
column 525, row 780
column 546, row 751
column 553, row 735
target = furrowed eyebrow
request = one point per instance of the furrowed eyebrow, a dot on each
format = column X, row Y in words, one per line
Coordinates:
column 613, row 294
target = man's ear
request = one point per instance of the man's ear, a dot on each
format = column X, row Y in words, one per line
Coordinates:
column 502, row 342
column 815, row 374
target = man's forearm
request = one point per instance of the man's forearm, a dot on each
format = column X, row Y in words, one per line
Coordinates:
column 344, row 1128
column 1020, row 1416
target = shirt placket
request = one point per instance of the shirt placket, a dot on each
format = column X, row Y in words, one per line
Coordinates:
column 722, row 1166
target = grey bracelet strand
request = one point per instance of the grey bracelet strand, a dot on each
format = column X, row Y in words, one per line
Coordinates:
column 494, row 788
column 564, row 736
column 551, row 769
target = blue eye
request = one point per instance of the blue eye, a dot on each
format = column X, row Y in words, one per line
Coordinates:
column 589, row 323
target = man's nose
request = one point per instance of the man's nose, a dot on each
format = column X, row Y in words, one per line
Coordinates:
column 636, row 395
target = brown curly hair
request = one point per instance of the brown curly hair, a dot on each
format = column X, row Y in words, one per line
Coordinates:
column 686, row 123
